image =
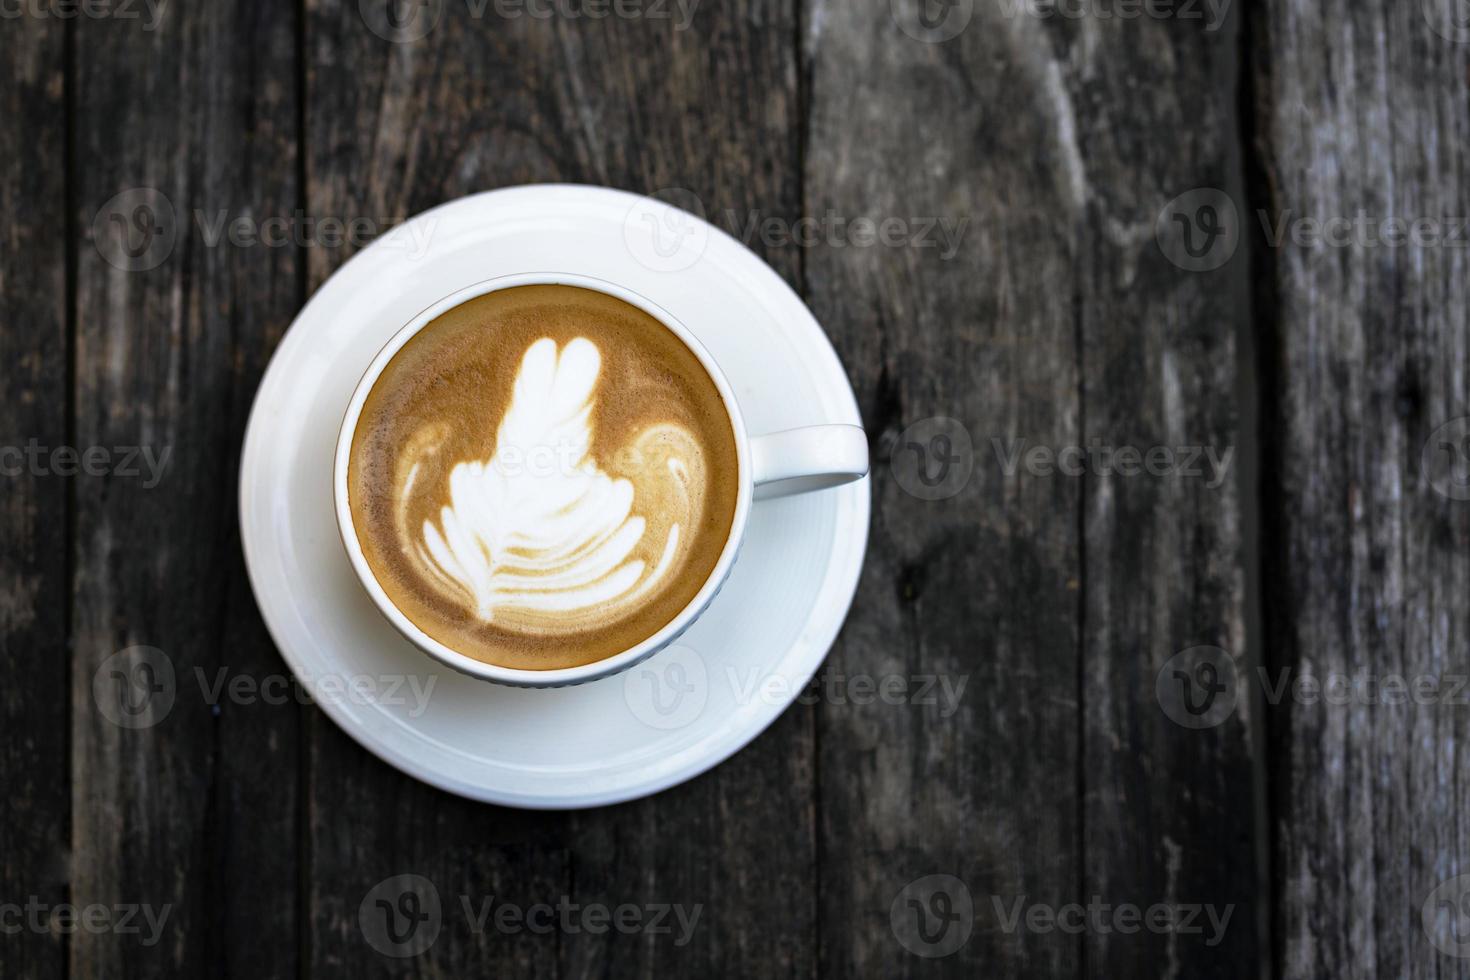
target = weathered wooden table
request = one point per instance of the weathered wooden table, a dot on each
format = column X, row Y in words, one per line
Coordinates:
column 1234, row 233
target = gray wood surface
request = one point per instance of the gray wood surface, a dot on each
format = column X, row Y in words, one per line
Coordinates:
column 1169, row 812
column 1055, row 185
column 1058, row 323
column 197, row 808
column 392, row 129
column 1366, row 111
column 34, row 542
column 984, row 584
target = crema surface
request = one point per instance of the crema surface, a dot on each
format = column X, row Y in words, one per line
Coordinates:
column 543, row 477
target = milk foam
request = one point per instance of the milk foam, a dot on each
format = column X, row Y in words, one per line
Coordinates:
column 540, row 537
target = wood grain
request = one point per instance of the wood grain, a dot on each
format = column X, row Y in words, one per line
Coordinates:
column 1364, row 110
column 490, row 101
column 1059, row 323
column 1027, row 616
column 35, row 805
column 1170, row 814
column 982, row 585
column 197, row 810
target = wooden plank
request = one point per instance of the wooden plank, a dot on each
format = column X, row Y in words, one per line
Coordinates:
column 1057, row 323
column 35, row 808
column 1365, row 111
column 180, row 804
column 1170, row 817
column 483, row 102
column 968, row 581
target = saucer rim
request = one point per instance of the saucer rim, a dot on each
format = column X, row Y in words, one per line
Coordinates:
column 843, row 569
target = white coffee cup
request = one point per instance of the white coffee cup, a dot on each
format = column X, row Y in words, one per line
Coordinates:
column 775, row 465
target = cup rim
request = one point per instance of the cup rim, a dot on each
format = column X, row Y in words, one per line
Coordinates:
column 513, row 676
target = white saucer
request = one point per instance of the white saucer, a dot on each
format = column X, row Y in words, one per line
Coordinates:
column 681, row 712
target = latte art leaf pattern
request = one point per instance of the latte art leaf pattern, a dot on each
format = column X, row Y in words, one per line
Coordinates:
column 539, row 536
column 543, row 476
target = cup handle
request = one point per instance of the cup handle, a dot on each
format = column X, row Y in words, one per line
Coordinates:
column 812, row 458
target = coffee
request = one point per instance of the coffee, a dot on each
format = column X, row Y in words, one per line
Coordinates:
column 543, row 477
